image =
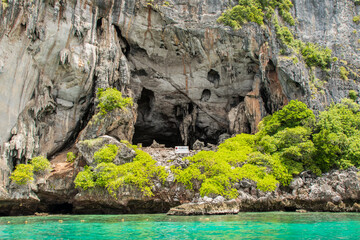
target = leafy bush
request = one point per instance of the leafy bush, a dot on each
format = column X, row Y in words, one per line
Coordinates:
column 70, row 157
column 139, row 173
column 344, row 73
column 85, row 179
column 5, row 4
column 315, row 55
column 106, row 154
column 111, row 99
column 216, row 172
column 292, row 115
column 22, row 174
column 246, row 11
column 353, row 95
column 40, row 164
column 254, row 11
column 338, row 135
column 356, row 19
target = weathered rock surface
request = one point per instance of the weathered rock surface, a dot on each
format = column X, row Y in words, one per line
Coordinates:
column 206, row 208
column 192, row 79
column 87, row 148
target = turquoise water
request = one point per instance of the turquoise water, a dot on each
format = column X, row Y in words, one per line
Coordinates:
column 275, row 225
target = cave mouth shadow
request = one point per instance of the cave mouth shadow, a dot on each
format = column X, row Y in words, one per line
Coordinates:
column 151, row 125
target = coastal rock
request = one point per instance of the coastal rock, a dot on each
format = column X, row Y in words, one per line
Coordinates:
column 206, row 208
column 87, row 148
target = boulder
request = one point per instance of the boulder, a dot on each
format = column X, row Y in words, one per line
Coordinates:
column 87, row 149
column 206, row 208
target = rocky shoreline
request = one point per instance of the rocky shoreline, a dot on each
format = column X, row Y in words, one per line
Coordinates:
column 336, row 191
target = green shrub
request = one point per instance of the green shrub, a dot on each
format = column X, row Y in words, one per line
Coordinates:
column 70, row 157
column 40, row 164
column 254, row 11
column 138, row 173
column 106, row 154
column 356, row 19
column 292, row 115
column 315, row 55
column 216, row 172
column 22, row 174
column 5, row 4
column 283, row 33
column 338, row 136
column 353, row 95
column 111, row 99
column 246, row 11
column 344, row 73
column 85, row 179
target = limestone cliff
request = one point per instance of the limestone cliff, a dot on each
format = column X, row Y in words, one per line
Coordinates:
column 191, row 77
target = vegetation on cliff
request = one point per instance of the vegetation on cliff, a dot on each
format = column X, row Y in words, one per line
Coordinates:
column 255, row 10
column 111, row 99
column 140, row 173
column 288, row 142
column 24, row 173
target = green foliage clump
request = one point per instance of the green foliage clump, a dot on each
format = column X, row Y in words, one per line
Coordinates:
column 85, row 179
column 216, row 172
column 344, row 73
column 254, row 11
column 22, row 174
column 338, row 136
column 356, row 19
column 315, row 55
column 246, row 11
column 40, row 164
column 139, row 173
column 353, row 95
column 292, row 115
column 70, row 157
column 5, row 4
column 286, row 136
column 111, row 99
column 106, row 154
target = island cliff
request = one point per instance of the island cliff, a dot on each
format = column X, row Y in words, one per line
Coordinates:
column 191, row 79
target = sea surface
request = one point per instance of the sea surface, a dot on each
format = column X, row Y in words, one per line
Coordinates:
column 273, row 225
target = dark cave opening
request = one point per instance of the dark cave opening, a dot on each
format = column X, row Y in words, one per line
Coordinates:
column 99, row 26
column 213, row 77
column 125, row 46
column 205, row 96
column 62, row 208
column 153, row 125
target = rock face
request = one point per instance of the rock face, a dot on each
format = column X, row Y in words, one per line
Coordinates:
column 337, row 191
column 206, row 208
column 191, row 78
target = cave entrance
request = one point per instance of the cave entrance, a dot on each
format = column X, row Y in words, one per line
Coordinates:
column 153, row 124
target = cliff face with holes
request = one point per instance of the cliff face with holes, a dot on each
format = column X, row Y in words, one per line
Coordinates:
column 192, row 79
